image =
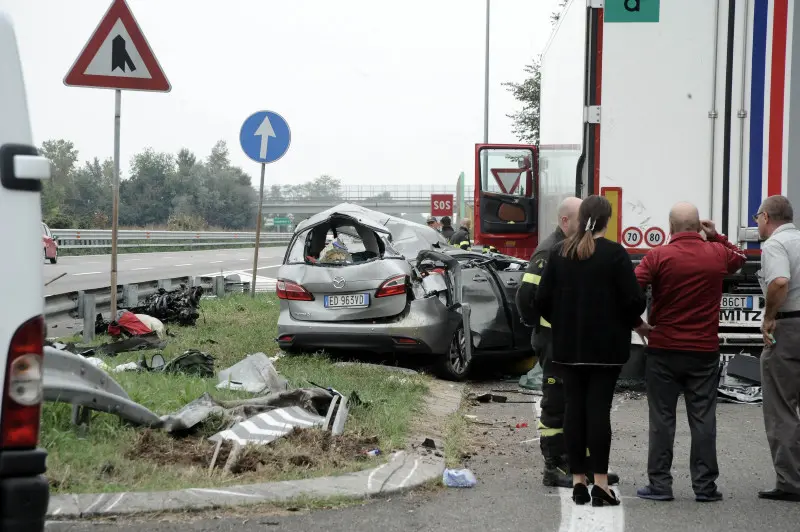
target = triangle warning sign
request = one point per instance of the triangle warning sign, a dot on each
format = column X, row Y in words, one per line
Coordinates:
column 117, row 56
column 507, row 178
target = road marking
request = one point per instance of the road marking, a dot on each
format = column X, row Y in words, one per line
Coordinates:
column 224, row 492
column 139, row 269
column 179, row 265
column 576, row 518
column 216, row 261
column 268, row 267
column 116, row 502
column 244, row 259
column 131, row 260
column 413, row 470
column 88, row 273
column 95, row 503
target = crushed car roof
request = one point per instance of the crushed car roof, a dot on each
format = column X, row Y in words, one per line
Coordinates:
column 407, row 237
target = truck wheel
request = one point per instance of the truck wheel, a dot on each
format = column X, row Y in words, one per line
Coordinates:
column 455, row 365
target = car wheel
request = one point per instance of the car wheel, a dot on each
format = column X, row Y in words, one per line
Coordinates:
column 456, row 363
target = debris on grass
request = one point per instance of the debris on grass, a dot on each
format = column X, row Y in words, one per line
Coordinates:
column 302, row 448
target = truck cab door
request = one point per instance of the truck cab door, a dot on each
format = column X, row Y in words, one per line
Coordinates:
column 507, row 203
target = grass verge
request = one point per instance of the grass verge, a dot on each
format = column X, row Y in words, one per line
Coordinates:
column 456, row 437
column 111, row 456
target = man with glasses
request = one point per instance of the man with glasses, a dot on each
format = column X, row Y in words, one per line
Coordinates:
column 780, row 360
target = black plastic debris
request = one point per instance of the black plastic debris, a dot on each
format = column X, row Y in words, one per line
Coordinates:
column 190, row 362
column 429, row 443
column 134, row 343
column 491, row 398
column 745, row 367
column 179, row 306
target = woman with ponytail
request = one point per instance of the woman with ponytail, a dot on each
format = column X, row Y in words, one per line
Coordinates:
column 590, row 295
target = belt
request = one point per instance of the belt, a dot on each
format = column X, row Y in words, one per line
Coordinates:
column 784, row 315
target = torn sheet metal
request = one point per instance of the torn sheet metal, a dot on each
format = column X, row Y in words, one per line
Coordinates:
column 269, row 426
column 72, row 379
column 313, row 400
column 254, row 374
column 736, row 390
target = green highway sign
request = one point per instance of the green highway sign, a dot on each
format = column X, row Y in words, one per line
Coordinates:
column 631, row 10
column 282, row 221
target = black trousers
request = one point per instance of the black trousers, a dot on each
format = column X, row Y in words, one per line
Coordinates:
column 552, row 404
column 696, row 375
column 588, row 393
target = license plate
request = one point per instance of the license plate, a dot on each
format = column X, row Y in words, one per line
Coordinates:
column 347, row 301
column 737, row 302
column 739, row 311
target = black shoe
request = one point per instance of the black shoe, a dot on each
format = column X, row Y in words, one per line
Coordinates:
column 708, row 497
column 613, row 478
column 601, row 497
column 556, row 477
column 779, row 495
column 580, row 494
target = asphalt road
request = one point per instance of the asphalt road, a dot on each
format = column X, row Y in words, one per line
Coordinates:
column 93, row 271
column 509, row 495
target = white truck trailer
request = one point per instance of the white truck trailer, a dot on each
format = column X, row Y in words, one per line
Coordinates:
column 652, row 102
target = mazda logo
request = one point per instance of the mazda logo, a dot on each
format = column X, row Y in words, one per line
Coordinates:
column 338, row 282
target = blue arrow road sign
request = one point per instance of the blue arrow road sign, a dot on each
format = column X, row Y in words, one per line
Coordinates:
column 265, row 136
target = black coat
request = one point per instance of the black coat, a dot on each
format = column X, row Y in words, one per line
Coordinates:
column 526, row 294
column 592, row 305
column 447, row 232
column 462, row 235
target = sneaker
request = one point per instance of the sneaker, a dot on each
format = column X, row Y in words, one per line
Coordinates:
column 708, row 497
column 651, row 494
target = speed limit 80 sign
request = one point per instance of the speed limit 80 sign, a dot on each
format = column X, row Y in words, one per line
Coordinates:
column 654, row 237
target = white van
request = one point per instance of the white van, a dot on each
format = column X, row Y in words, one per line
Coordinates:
column 24, row 492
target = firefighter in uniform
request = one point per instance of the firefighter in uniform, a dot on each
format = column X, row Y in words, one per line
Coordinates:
column 551, row 420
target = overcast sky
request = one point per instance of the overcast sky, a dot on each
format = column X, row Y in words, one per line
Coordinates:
column 375, row 91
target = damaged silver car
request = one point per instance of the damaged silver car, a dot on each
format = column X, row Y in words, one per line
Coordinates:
column 357, row 279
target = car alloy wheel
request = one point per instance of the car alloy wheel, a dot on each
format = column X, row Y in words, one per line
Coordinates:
column 457, row 358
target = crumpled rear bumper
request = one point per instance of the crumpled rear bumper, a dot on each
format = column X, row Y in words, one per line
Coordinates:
column 427, row 327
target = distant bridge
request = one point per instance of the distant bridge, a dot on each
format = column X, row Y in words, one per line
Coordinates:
column 405, row 200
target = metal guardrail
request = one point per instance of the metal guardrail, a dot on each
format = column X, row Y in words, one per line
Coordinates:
column 101, row 238
column 68, row 307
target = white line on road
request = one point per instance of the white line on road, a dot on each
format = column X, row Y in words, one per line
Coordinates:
column 576, row 518
column 88, row 273
column 179, row 265
column 216, row 261
column 131, row 260
column 244, row 259
column 138, row 269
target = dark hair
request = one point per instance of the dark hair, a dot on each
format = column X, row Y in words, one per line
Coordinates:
column 593, row 216
column 446, row 221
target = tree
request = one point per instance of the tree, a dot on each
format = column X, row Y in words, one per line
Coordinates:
column 528, row 93
column 323, row 187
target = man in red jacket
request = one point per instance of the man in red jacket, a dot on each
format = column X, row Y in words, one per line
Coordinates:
column 683, row 350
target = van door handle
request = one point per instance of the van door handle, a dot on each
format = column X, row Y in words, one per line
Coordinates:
column 512, row 282
column 479, row 279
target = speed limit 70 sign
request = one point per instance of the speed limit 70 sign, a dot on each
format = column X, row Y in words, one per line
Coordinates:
column 632, row 237
column 441, row 204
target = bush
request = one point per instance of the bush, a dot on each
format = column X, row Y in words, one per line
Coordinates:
column 186, row 222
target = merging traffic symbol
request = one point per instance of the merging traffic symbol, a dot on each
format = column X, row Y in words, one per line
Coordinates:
column 117, row 56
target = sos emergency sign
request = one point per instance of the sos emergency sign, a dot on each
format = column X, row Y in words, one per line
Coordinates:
column 441, row 204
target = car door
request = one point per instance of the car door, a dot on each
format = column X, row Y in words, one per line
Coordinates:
column 488, row 320
column 510, row 280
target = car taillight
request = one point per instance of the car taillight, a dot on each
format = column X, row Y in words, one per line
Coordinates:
column 22, row 399
column 292, row 291
column 393, row 286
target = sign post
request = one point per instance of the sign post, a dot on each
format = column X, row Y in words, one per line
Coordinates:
column 255, row 137
column 117, row 57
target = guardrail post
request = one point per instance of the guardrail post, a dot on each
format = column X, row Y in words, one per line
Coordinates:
column 130, row 295
column 88, row 315
column 166, row 284
column 219, row 286
column 195, row 281
column 81, row 293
